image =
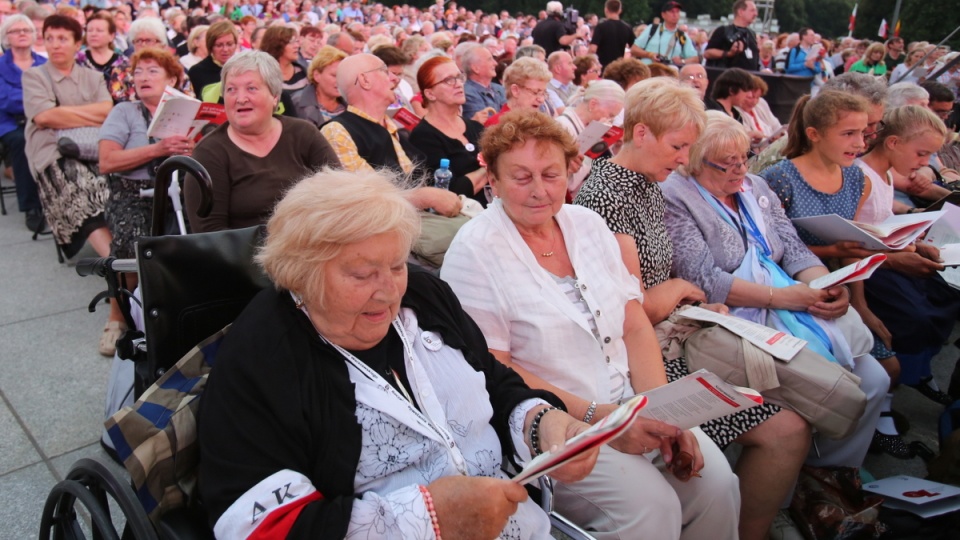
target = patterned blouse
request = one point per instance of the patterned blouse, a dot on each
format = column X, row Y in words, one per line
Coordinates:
column 801, row 200
column 116, row 73
column 631, row 205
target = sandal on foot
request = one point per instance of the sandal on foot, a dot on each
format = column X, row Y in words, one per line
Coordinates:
column 108, row 339
column 892, row 445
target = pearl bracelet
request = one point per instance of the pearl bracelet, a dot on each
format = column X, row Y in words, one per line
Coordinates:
column 428, row 502
column 591, row 410
column 535, row 430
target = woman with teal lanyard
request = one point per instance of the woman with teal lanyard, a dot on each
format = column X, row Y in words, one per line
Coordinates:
column 733, row 240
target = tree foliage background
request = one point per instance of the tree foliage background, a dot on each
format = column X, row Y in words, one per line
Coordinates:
column 921, row 19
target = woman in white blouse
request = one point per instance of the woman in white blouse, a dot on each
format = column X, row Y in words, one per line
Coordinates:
column 546, row 284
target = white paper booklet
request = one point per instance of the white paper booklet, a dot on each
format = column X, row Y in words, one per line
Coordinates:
column 604, row 431
column 896, row 232
column 943, row 233
column 776, row 343
column 591, row 135
column 921, row 497
column 858, row 271
column 697, row 398
column 181, row 115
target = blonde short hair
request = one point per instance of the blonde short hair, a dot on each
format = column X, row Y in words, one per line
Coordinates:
column 325, row 212
column 325, row 56
column 721, row 133
column 524, row 69
column 662, row 105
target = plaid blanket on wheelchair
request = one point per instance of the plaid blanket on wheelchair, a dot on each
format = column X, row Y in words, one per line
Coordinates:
column 157, row 437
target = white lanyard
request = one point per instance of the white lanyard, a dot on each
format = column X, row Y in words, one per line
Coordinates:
column 381, row 383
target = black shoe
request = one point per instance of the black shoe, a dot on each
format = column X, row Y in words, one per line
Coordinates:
column 937, row 396
column 892, row 445
column 900, row 421
column 35, row 221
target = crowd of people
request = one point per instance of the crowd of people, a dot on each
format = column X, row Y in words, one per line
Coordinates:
column 420, row 334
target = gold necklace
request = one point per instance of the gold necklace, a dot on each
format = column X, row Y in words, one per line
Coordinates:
column 553, row 239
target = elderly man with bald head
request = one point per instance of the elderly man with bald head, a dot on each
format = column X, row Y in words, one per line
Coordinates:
column 365, row 138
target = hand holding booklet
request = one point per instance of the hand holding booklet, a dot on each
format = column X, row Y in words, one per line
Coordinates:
column 604, row 431
column 181, row 115
column 684, row 403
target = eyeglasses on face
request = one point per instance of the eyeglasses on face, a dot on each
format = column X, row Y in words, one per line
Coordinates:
column 21, row 31
column 729, row 166
column 146, row 41
column 540, row 94
column 383, row 68
column 873, row 129
column 595, row 71
column 943, row 113
column 695, row 77
column 453, row 80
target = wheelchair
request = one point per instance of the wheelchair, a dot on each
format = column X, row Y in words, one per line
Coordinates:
column 192, row 287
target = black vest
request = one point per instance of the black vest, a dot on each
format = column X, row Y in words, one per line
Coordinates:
column 373, row 141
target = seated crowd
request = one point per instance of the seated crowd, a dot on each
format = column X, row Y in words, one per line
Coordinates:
column 543, row 284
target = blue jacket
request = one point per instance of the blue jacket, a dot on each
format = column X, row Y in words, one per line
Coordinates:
column 795, row 64
column 11, row 90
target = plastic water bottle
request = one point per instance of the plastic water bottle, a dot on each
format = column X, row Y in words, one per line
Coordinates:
column 442, row 177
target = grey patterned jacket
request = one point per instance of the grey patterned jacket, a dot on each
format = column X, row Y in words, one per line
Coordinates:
column 707, row 249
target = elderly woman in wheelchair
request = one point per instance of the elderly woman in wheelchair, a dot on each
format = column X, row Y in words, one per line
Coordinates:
column 357, row 397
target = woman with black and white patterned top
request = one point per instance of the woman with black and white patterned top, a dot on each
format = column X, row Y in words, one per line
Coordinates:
column 661, row 121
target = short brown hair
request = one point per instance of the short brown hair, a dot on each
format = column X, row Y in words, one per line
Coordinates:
column 516, row 128
column 391, row 55
column 626, row 71
column 165, row 60
column 103, row 16
column 275, row 39
column 219, row 29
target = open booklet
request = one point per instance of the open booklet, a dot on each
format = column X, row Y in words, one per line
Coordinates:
column 697, row 398
column 604, row 431
column 597, row 138
column 945, row 234
column 181, row 115
column 857, row 271
column 774, row 342
column 897, row 232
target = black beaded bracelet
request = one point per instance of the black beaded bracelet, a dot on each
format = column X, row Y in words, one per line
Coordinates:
column 535, row 430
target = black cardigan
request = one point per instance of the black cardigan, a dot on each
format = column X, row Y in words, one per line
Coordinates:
column 280, row 398
column 436, row 145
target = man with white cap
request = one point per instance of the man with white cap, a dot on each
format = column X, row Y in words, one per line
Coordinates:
column 551, row 33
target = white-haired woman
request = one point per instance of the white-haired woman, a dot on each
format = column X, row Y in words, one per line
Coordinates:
column 197, row 45
column 363, row 392
column 602, row 102
column 18, row 34
column 525, row 82
column 255, row 155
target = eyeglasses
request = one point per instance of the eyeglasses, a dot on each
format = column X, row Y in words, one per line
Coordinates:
column 453, row 80
column 943, row 113
column 540, row 94
column 146, row 41
column 695, row 76
column 151, row 72
column 384, row 69
column 878, row 127
column 595, row 71
column 726, row 167
column 22, row 31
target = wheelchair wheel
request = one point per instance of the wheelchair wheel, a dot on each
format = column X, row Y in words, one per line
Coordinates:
column 92, row 490
column 60, row 520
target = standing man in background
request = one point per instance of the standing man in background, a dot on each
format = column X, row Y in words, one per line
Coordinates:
column 735, row 45
column 612, row 36
column 664, row 42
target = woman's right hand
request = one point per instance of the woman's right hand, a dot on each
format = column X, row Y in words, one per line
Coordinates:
column 913, row 264
column 877, row 326
column 175, row 146
column 686, row 292
column 644, row 434
column 798, row 297
column 474, row 507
